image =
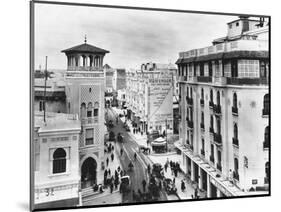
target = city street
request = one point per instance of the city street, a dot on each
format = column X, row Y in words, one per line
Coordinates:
column 130, row 147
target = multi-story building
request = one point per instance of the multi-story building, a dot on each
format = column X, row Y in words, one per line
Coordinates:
column 85, row 87
column 119, row 79
column 224, row 108
column 56, row 160
column 149, row 96
column 109, row 72
column 54, row 98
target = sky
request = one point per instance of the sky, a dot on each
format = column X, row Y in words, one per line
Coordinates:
column 133, row 37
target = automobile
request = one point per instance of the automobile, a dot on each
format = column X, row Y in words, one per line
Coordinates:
column 125, row 185
column 157, row 170
column 169, row 186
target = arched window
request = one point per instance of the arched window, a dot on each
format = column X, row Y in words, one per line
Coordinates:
column 218, row 98
column 83, row 110
column 211, row 96
column 211, row 123
column 96, row 109
column 89, row 109
column 235, row 100
column 266, row 104
column 235, row 131
column 59, row 161
column 218, row 126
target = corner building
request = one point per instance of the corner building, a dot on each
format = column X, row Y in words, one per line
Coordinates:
column 85, row 87
column 224, row 109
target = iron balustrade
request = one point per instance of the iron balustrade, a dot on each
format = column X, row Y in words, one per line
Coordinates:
column 202, row 126
column 217, row 109
column 234, row 110
column 189, row 101
column 211, row 104
column 211, row 130
column 202, row 152
column 219, row 166
column 190, row 124
column 246, row 81
column 204, row 79
column 212, row 159
column 217, row 138
column 202, row 102
column 236, row 175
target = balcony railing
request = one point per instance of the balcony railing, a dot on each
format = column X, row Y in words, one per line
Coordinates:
column 190, row 124
column 246, row 81
column 90, row 120
column 217, row 109
column 212, row 159
column 211, row 104
column 211, row 130
column 189, row 101
column 217, row 138
column 236, row 175
column 203, row 152
column 191, row 147
column 234, row 110
column 204, row 79
column 202, row 126
column 265, row 111
column 266, row 144
column 202, row 102
column 219, row 166
column 235, row 142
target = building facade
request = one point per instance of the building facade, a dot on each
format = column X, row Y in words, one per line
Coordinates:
column 149, row 97
column 85, row 88
column 119, row 79
column 224, row 110
column 56, row 164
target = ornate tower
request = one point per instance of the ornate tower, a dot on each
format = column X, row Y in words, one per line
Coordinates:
column 85, row 86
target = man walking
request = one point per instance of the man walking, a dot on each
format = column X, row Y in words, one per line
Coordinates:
column 144, row 185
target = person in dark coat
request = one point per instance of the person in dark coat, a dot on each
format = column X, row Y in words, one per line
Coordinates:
column 121, row 152
column 176, row 172
column 174, row 180
column 107, row 161
column 109, row 172
column 196, row 193
column 182, row 186
column 148, row 168
column 111, row 187
column 112, row 157
column 165, row 167
column 143, row 185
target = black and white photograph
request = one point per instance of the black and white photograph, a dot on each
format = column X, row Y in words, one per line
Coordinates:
column 139, row 105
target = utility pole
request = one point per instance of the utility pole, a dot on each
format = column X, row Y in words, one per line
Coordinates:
column 44, row 102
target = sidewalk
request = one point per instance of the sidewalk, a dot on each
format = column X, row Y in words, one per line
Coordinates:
column 186, row 194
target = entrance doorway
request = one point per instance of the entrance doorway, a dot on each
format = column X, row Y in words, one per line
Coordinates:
column 196, row 174
column 204, row 179
column 213, row 191
column 88, row 172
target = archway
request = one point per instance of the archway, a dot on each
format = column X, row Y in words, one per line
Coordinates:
column 88, row 172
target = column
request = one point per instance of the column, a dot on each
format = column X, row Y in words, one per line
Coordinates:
column 192, row 171
column 79, row 57
column 200, row 175
column 208, row 187
column 220, row 68
column 101, row 61
column 219, row 193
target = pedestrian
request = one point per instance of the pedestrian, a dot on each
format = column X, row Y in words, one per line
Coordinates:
column 195, row 193
column 121, row 152
column 111, row 187
column 171, row 164
column 112, row 157
column 230, row 176
column 134, row 196
column 192, row 197
column 121, row 173
column 140, row 194
column 115, row 173
column 107, row 161
column 182, row 186
column 148, row 168
column 109, row 172
column 144, row 185
column 160, row 185
column 147, row 142
column 135, row 156
column 165, row 167
column 118, row 169
column 174, row 180
column 176, row 172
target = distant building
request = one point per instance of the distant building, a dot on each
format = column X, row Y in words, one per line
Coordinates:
column 119, row 79
column 224, row 110
column 149, row 98
column 109, row 73
column 56, row 154
column 55, row 98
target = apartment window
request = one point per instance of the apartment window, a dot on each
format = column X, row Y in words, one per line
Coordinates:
column 210, row 67
column 236, row 167
column 96, row 109
column 89, row 110
column 201, row 69
column 89, row 136
column 218, row 98
column 187, row 92
column 202, row 93
column 211, row 123
column 191, row 92
column 41, row 105
column 263, row 69
column 248, row 68
column 211, row 96
column 218, row 126
column 237, row 24
column 235, row 100
column 202, row 119
column 235, row 131
column 266, row 104
column 203, row 144
column 234, row 71
column 59, row 161
column 266, row 137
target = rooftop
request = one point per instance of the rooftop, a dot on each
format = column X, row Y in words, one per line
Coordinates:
column 85, row 48
column 56, row 122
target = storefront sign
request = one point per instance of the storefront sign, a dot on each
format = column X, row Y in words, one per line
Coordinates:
column 220, row 187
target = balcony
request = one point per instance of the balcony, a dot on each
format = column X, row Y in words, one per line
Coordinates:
column 219, row 166
column 89, row 120
column 217, row 139
column 235, row 111
column 212, row 159
column 236, row 175
column 191, row 147
column 266, row 144
column 205, row 79
column 203, row 152
column 202, row 126
column 211, row 104
column 189, row 101
column 246, row 81
column 265, row 111
column 217, row 109
column 211, row 130
column 235, row 142
column 202, row 102
column 190, row 124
